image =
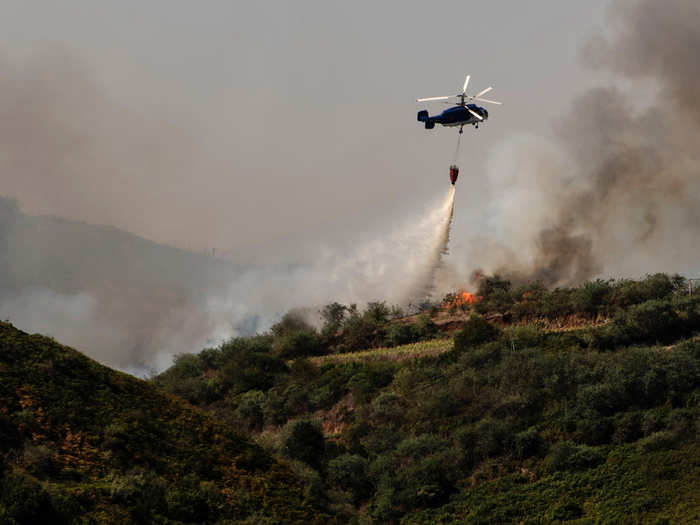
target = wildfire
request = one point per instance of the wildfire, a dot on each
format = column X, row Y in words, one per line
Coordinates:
column 459, row 299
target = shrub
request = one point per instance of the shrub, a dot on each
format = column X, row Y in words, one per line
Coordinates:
column 401, row 334
column 568, row 456
column 303, row 440
column 590, row 297
column 292, row 321
column 476, row 331
column 426, row 328
column 38, row 459
column 627, row 293
column 186, row 365
column 193, row 501
column 296, row 343
column 388, row 409
column 25, row 500
column 658, row 440
column 654, row 420
column 525, row 336
column 495, row 295
column 654, row 321
column 628, row 428
column 348, row 472
column 369, row 378
column 141, row 492
column 603, row 398
column 359, row 333
column 594, row 430
column 249, row 370
column 482, row 356
column 250, row 412
column 526, row 443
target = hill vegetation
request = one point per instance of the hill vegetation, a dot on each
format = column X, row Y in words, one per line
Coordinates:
column 567, row 405
column 531, row 405
column 80, row 443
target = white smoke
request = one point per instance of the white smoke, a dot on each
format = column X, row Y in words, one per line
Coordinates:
column 399, row 269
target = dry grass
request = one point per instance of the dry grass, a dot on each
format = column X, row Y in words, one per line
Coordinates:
column 397, row 353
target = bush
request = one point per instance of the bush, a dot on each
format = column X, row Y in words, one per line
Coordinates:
column 628, row 428
column 594, row 430
column 292, row 321
column 348, row 472
column 193, row 501
column 387, row 409
column 627, row 293
column 249, row 412
column 603, row 398
column 141, row 492
column 658, row 440
column 401, row 334
column 590, row 297
column 359, row 333
column 476, row 331
column 38, row 460
column 25, row 500
column 249, row 370
column 495, row 295
column 654, row 321
column 296, row 343
column 568, row 456
column 482, row 356
column 525, row 336
column 426, row 328
column 526, row 444
column 302, row 440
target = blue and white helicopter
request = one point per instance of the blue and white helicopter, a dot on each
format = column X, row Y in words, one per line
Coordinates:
column 462, row 114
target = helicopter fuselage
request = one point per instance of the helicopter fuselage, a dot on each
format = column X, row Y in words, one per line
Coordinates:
column 455, row 116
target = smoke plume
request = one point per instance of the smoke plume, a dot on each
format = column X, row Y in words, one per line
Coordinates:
column 616, row 191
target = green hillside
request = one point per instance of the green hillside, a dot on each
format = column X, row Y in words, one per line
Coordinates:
column 81, row 443
column 576, row 405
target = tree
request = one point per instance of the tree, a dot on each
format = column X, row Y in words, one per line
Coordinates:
column 333, row 315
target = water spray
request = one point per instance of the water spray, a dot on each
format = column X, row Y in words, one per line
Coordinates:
column 435, row 249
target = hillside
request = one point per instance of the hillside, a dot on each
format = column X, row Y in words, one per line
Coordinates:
column 116, row 296
column 81, row 443
column 576, row 405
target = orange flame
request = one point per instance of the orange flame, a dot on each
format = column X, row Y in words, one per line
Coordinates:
column 461, row 298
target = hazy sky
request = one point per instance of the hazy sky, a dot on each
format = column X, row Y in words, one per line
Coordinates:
column 257, row 126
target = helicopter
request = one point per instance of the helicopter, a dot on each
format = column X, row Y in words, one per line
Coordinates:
column 462, row 113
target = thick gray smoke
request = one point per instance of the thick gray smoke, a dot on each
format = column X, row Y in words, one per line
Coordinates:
column 616, row 192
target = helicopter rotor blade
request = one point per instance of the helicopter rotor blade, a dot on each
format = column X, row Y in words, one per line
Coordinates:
column 475, row 114
column 487, row 100
column 432, row 98
column 482, row 92
column 466, row 83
